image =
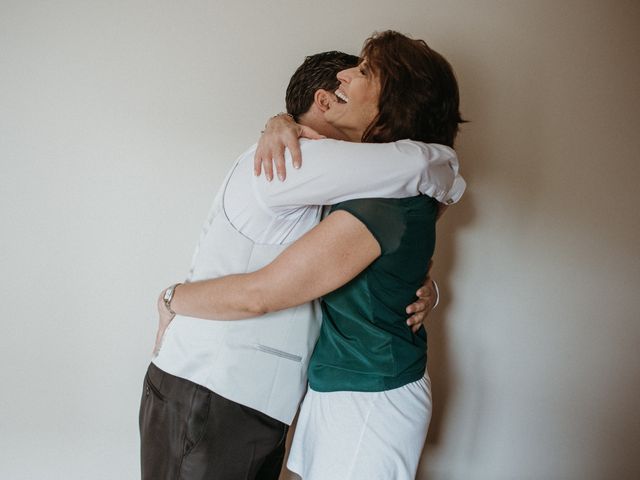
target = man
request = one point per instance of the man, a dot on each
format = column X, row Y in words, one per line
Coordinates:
column 219, row 396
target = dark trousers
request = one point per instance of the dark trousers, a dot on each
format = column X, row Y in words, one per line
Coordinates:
column 188, row 432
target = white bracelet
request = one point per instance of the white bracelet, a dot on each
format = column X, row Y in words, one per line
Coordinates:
column 435, row 286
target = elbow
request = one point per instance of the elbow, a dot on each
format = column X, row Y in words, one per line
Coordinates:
column 436, row 153
column 428, row 153
column 256, row 309
column 257, row 301
column 265, row 292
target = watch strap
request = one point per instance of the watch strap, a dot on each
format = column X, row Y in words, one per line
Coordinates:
column 168, row 296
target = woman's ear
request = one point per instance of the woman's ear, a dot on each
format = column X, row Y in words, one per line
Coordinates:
column 323, row 99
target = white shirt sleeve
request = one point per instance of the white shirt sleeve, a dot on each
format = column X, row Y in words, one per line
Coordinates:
column 333, row 171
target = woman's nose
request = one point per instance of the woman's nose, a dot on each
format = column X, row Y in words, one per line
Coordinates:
column 345, row 75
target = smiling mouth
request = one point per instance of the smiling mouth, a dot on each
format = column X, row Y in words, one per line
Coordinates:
column 342, row 98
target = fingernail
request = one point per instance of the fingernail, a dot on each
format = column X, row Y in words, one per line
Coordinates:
column 281, row 177
column 296, row 165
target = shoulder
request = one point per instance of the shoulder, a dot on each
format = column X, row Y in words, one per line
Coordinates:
column 389, row 219
column 385, row 218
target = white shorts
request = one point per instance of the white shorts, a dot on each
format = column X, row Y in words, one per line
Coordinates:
column 362, row 435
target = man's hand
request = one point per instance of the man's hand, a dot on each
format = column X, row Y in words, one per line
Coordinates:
column 427, row 300
column 280, row 132
column 165, row 318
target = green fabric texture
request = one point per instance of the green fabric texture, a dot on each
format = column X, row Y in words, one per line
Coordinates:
column 365, row 343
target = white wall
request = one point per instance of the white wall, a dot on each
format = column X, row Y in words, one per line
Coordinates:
column 119, row 118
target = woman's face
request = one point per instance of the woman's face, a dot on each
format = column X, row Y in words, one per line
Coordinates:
column 357, row 101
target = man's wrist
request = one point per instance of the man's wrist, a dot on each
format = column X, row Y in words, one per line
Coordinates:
column 283, row 115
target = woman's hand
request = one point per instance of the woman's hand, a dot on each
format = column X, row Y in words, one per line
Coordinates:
column 280, row 132
column 420, row 309
column 165, row 318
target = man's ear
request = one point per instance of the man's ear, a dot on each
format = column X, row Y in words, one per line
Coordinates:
column 323, row 99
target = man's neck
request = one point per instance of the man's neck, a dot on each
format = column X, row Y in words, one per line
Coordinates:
column 320, row 125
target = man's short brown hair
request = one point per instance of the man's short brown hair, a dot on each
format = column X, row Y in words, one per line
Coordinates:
column 316, row 72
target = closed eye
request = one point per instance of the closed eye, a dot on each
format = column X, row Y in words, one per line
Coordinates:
column 362, row 68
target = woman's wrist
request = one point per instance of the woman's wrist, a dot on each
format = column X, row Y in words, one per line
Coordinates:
column 168, row 295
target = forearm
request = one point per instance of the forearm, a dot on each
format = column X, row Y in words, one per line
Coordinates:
column 234, row 297
column 336, row 171
column 321, row 261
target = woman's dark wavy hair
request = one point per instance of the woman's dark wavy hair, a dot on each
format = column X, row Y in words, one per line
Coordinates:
column 419, row 96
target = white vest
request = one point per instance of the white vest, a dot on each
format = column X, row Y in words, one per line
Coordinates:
column 260, row 363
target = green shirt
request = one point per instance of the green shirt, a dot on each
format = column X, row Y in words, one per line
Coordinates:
column 365, row 343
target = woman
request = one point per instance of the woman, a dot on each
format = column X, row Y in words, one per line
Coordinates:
column 368, row 406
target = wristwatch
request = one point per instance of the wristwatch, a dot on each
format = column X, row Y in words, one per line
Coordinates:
column 168, row 296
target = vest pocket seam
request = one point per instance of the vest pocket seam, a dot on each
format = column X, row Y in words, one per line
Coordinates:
column 278, row 353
